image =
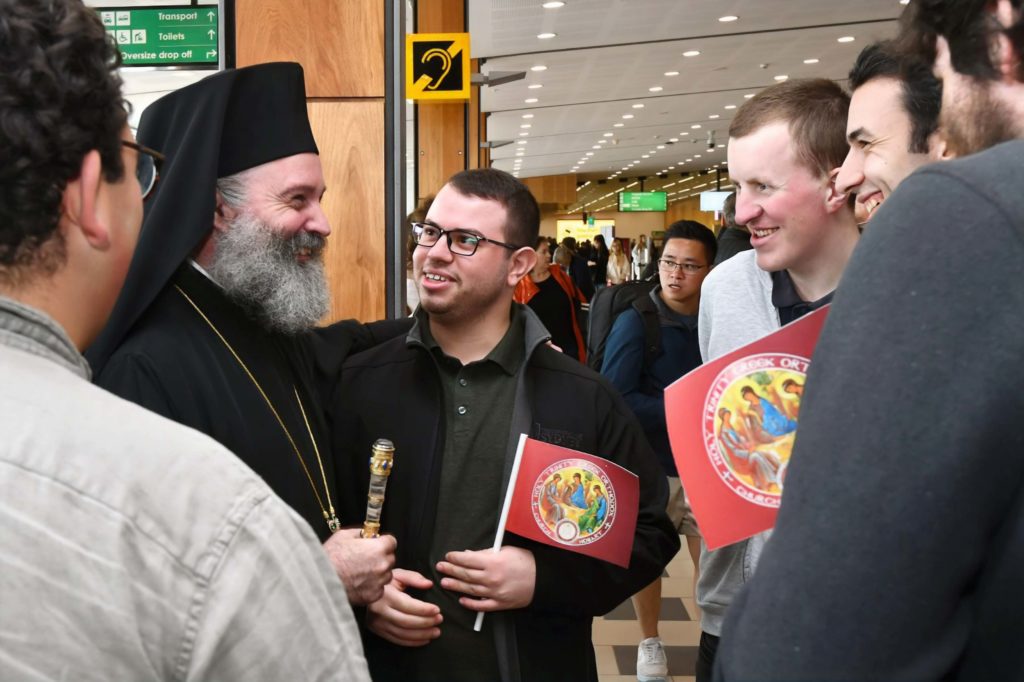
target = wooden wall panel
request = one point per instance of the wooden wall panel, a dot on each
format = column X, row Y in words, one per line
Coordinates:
column 340, row 43
column 350, row 135
column 559, row 190
column 441, row 127
column 689, row 209
column 440, row 16
column 442, row 144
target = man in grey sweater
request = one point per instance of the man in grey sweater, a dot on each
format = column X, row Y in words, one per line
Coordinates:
column 786, row 146
column 131, row 548
column 899, row 547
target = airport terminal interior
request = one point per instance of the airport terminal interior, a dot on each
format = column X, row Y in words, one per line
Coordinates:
column 614, row 113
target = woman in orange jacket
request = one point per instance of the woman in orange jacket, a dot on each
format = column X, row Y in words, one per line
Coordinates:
column 555, row 298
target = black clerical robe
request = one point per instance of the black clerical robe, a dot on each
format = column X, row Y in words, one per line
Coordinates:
column 173, row 363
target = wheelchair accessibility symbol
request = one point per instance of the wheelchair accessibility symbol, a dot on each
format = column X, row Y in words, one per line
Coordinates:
column 437, row 66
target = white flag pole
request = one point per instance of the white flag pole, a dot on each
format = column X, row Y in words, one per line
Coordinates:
column 500, row 535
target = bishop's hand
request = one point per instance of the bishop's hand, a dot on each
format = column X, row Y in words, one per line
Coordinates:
column 363, row 564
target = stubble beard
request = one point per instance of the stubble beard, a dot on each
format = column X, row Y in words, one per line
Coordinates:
column 977, row 122
column 259, row 270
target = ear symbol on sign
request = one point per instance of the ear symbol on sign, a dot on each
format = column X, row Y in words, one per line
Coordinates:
column 446, row 65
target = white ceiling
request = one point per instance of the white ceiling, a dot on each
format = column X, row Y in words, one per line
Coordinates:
column 606, row 56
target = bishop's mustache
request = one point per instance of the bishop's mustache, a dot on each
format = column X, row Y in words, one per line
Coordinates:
column 309, row 243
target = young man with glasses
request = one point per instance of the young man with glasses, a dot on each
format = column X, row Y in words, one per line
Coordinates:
column 132, row 548
column 786, row 146
column 454, row 395
column 641, row 378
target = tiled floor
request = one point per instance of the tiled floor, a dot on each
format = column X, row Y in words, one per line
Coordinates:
column 617, row 635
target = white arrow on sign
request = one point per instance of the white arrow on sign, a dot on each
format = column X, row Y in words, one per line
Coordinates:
column 212, row 34
column 211, row 15
column 211, row 54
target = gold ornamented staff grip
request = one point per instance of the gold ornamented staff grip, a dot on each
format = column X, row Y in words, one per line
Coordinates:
column 381, row 461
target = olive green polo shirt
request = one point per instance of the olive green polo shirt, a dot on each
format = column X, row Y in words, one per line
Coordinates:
column 478, row 402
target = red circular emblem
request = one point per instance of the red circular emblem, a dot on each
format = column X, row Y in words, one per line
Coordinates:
column 750, row 421
column 573, row 502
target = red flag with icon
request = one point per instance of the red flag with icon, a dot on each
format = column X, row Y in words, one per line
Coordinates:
column 574, row 501
column 732, row 423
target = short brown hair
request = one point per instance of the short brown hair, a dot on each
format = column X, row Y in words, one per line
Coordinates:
column 523, row 223
column 816, row 111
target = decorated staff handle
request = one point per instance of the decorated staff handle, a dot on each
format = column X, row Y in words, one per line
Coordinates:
column 381, row 461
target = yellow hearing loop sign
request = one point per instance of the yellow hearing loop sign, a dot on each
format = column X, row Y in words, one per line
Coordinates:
column 437, row 66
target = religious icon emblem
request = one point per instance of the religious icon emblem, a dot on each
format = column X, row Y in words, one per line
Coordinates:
column 750, row 421
column 573, row 502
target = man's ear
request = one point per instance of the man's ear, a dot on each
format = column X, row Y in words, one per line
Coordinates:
column 1006, row 60
column 834, row 199
column 80, row 203
column 938, row 150
column 223, row 213
column 520, row 264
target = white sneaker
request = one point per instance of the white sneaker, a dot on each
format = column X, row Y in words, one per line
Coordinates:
column 651, row 663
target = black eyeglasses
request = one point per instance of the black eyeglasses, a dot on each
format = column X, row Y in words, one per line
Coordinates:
column 460, row 242
column 147, row 168
column 672, row 266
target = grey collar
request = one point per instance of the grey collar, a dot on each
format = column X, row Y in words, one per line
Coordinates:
column 32, row 331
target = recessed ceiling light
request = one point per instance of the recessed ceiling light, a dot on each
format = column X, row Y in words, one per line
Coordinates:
column 692, row 53
column 748, row 95
column 684, row 133
column 727, row 18
column 534, row 86
column 721, row 146
column 524, row 134
column 596, row 146
column 521, row 141
column 538, row 67
column 527, row 115
column 689, row 159
column 526, row 125
column 904, row 2
column 695, row 126
column 661, row 146
column 845, row 39
column 673, row 139
column 618, row 125
column 730, row 106
column 530, row 100
column 712, row 115
column 601, row 142
column 810, row 61
column 671, row 167
column 627, row 116
column 546, row 36
column 638, row 106
column 645, row 156
column 696, row 156
column 590, row 153
column 609, row 134
column 656, row 88
column 554, row 4
column 671, row 73
column 781, row 77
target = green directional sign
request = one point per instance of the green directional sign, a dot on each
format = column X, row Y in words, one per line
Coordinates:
column 643, row 201
column 158, row 37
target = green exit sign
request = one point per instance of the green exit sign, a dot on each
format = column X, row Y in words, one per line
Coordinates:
column 643, row 201
column 158, row 37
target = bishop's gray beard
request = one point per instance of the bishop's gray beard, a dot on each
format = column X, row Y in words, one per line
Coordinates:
column 257, row 268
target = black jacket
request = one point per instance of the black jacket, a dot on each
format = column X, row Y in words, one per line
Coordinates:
column 394, row 391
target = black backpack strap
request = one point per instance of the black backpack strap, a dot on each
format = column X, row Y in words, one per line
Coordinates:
column 652, row 328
